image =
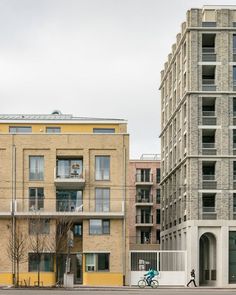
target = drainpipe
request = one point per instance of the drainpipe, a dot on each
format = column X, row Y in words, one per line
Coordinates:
column 13, row 219
column 124, row 210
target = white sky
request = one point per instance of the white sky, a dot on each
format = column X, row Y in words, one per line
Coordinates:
column 92, row 58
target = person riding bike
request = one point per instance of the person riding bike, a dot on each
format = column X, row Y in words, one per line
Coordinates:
column 150, row 275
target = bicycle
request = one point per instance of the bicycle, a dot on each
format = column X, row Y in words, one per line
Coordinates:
column 143, row 283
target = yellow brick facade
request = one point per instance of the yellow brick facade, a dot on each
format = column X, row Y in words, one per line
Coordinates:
column 76, row 140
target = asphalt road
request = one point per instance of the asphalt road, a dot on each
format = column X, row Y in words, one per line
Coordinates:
column 126, row 291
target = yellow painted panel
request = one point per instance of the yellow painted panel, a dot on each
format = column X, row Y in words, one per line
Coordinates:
column 102, row 279
column 65, row 128
column 48, row 278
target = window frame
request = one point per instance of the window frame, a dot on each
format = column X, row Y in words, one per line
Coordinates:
column 102, row 169
column 102, row 199
column 38, row 178
column 101, row 229
column 95, row 262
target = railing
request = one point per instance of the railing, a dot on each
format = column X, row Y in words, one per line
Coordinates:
column 144, row 219
column 208, row 209
column 208, row 50
column 234, row 209
column 144, row 199
column 234, row 85
column 143, row 240
column 208, row 24
column 234, row 145
column 234, row 114
column 208, row 145
column 234, row 177
column 208, row 81
column 208, row 177
column 208, row 113
column 68, row 173
column 142, row 177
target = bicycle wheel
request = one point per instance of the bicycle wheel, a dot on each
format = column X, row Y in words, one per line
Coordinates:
column 154, row 284
column 142, row 284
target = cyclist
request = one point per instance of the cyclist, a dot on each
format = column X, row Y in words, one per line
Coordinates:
column 150, row 275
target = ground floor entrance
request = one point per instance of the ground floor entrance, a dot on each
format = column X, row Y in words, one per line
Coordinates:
column 76, row 267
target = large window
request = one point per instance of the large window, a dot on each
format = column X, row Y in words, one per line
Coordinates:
column 69, row 168
column 102, row 167
column 45, row 264
column 39, row 226
column 97, row 262
column 36, row 168
column 20, row 129
column 102, row 199
column 36, row 198
column 99, row 227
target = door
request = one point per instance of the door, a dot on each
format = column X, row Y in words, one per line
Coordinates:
column 76, row 267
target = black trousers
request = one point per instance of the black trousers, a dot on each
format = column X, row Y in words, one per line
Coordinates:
column 192, row 280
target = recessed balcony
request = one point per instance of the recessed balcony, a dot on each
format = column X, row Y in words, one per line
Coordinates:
column 70, row 179
column 144, row 220
column 144, row 200
column 144, row 178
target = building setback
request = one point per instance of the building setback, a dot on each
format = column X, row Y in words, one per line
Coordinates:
column 144, row 203
column 198, row 145
column 59, row 170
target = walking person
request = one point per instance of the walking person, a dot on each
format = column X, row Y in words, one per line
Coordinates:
column 192, row 278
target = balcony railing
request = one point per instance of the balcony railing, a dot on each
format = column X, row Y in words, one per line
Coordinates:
column 144, row 199
column 144, row 178
column 208, row 209
column 69, row 177
column 208, row 145
column 144, row 219
column 209, row 177
column 208, row 85
column 234, row 85
column 208, row 113
column 208, row 54
column 208, row 24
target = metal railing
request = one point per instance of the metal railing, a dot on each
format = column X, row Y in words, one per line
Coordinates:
column 208, row 24
column 208, row 210
column 208, row 81
column 144, row 199
column 208, row 113
column 68, row 173
column 208, row 50
column 144, row 177
column 208, row 177
column 208, row 145
column 144, row 219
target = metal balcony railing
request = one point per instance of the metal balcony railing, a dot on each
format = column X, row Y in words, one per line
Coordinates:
column 234, row 145
column 208, row 113
column 144, row 219
column 68, row 173
column 208, row 145
column 209, row 177
column 144, row 199
column 208, row 210
column 208, row 50
column 144, row 177
column 208, row 81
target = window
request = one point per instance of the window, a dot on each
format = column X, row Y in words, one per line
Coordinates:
column 234, row 106
column 158, row 175
column 97, row 262
column 143, row 175
column 53, row 129
column 234, row 170
column 36, row 168
column 234, row 77
column 208, row 203
column 234, row 47
column 46, row 262
column 102, row 199
column 78, row 230
column 158, row 196
column 36, row 198
column 39, row 226
column 234, row 203
column 99, row 227
column 69, row 200
column 102, row 167
column 158, row 216
column 69, row 168
column 234, row 138
column 158, row 235
column 103, row 130
column 20, row 129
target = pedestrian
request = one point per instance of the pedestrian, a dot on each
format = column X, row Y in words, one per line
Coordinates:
column 192, row 278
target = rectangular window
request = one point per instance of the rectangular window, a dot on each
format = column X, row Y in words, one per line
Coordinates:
column 78, row 230
column 97, row 262
column 158, row 175
column 69, row 200
column 102, row 167
column 234, row 44
column 102, row 199
column 234, row 203
column 99, row 227
column 234, row 170
column 36, row 198
column 158, row 216
column 103, row 130
column 39, row 226
column 234, row 106
column 208, row 203
column 20, row 129
column 158, row 196
column 158, row 235
column 45, row 263
column 234, row 77
column 53, row 129
column 69, row 168
column 232, row 257
column 36, row 168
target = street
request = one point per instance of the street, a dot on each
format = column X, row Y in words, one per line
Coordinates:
column 113, row 291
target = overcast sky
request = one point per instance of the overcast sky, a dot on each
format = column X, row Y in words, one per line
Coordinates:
column 99, row 58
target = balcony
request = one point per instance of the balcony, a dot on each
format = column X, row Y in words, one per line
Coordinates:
column 66, row 207
column 208, row 85
column 144, row 179
column 144, row 220
column 234, row 85
column 208, row 118
column 234, row 182
column 144, row 200
column 209, row 213
column 234, row 212
column 208, row 148
column 209, row 182
column 208, row 54
column 69, row 178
